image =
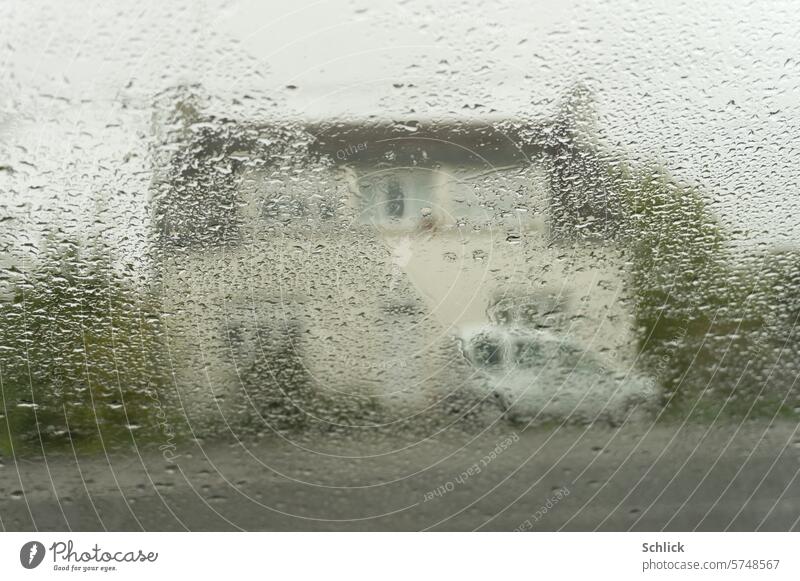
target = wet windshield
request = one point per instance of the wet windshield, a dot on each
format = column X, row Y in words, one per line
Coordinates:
column 356, row 266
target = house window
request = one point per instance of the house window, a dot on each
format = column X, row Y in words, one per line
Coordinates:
column 395, row 203
column 397, row 197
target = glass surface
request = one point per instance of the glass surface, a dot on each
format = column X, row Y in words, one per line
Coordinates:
column 373, row 265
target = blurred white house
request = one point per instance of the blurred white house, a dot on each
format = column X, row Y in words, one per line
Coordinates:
column 404, row 262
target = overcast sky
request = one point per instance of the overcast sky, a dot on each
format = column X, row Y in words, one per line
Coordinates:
column 710, row 89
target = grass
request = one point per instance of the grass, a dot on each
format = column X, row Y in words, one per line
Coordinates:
column 79, row 353
column 718, row 337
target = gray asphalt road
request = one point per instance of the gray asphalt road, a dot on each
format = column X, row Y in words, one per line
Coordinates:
column 673, row 478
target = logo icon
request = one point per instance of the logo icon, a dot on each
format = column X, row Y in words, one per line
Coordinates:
column 31, row 554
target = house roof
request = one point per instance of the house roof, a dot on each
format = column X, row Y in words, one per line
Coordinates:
column 470, row 143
